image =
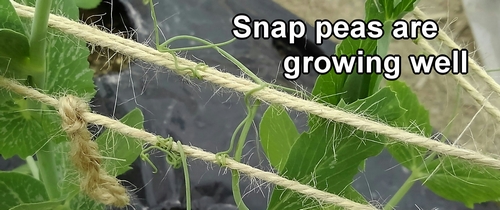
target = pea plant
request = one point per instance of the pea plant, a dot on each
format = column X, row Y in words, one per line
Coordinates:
column 327, row 156
column 50, row 61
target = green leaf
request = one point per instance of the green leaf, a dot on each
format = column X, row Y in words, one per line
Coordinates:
column 20, row 134
column 402, row 8
column 384, row 10
column 16, row 188
column 120, row 151
column 14, row 45
column 83, row 202
column 383, row 105
column 68, row 176
column 357, row 86
column 14, row 54
column 415, row 120
column 9, row 18
column 328, row 156
column 277, row 134
column 329, row 86
column 459, row 180
column 396, row 3
column 88, row 4
column 48, row 205
column 374, row 10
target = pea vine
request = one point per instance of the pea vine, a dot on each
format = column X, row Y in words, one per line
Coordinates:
column 327, row 156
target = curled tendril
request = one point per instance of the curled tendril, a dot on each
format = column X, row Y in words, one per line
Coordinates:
column 165, row 145
column 176, row 159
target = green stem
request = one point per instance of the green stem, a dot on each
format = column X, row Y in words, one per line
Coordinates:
column 38, row 45
column 48, row 170
column 237, row 157
column 38, row 36
column 186, row 175
column 401, row 192
column 33, row 168
column 235, row 175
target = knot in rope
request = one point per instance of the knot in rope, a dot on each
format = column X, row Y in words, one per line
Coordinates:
column 70, row 109
column 86, row 157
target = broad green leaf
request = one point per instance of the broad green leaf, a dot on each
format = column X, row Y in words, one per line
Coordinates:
column 396, row 3
column 415, row 120
column 277, row 134
column 20, row 134
column 47, row 205
column 328, row 156
column 14, row 45
column 383, row 105
column 459, row 180
column 68, row 176
column 374, row 10
column 51, row 124
column 83, row 202
column 329, row 86
column 9, row 18
column 119, row 150
column 384, row 10
column 356, row 86
column 16, row 188
column 402, row 8
column 88, row 4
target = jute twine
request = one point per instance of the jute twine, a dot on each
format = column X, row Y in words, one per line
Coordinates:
column 102, row 187
column 142, row 52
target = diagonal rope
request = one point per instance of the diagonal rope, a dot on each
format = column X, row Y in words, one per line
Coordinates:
column 467, row 86
column 190, row 151
column 145, row 53
column 474, row 66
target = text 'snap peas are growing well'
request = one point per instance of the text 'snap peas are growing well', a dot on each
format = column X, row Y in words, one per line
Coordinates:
column 389, row 66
